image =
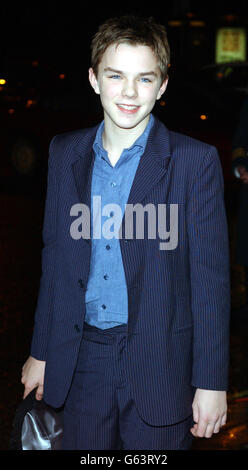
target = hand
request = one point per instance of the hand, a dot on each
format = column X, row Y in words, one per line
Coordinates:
column 209, row 412
column 33, row 376
column 243, row 174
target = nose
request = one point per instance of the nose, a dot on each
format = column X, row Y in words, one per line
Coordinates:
column 129, row 89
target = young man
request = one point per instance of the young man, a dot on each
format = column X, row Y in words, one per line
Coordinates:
column 132, row 332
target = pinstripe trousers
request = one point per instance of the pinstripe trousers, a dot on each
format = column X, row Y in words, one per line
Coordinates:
column 99, row 412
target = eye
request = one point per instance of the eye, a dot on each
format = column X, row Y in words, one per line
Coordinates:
column 145, row 80
column 115, row 76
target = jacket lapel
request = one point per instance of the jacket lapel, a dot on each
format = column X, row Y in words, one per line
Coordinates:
column 82, row 167
column 152, row 166
column 153, row 163
column 82, row 171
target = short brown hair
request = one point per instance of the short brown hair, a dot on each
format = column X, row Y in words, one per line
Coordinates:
column 133, row 30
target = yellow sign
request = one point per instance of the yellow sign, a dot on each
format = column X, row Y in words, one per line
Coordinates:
column 230, row 45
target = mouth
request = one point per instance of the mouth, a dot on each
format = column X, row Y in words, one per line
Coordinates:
column 128, row 108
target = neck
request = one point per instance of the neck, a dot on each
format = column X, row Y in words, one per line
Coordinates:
column 115, row 139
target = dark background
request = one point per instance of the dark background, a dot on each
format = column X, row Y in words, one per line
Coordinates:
column 39, row 42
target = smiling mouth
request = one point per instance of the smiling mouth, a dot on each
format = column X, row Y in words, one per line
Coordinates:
column 128, row 108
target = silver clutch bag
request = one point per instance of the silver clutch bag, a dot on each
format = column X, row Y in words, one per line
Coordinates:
column 36, row 426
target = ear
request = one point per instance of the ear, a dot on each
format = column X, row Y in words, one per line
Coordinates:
column 93, row 81
column 162, row 87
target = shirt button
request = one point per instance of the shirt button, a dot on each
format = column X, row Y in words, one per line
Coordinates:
column 107, row 247
column 104, row 306
column 106, row 276
column 113, row 184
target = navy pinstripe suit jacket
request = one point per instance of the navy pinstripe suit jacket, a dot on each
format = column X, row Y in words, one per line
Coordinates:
column 178, row 300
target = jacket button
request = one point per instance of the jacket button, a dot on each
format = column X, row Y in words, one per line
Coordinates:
column 77, row 328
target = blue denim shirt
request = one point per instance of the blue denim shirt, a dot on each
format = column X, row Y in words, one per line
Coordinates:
column 106, row 296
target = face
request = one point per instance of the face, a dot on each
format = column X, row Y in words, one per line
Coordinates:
column 129, row 83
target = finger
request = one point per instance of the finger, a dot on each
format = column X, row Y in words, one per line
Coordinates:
column 194, row 426
column 195, row 413
column 223, row 419
column 193, row 430
column 27, row 390
column 39, row 393
column 217, row 426
column 195, row 418
column 201, row 428
column 209, row 430
column 28, row 387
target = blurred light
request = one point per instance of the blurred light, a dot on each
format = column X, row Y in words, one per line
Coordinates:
column 62, row 76
column 189, row 14
column 197, row 23
column 238, row 400
column 203, row 117
column 162, row 103
column 35, row 63
column 230, row 17
column 30, row 103
column 230, row 44
column 11, row 111
column 220, row 74
column 175, row 23
column 2, row 81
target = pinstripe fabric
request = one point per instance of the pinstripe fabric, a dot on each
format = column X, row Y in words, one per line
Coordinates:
column 99, row 412
column 178, row 300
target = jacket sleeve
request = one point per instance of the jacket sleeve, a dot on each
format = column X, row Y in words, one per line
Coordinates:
column 209, row 275
column 43, row 312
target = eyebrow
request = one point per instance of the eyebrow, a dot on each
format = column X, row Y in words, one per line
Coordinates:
column 109, row 69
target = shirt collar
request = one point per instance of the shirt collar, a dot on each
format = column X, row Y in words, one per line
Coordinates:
column 141, row 141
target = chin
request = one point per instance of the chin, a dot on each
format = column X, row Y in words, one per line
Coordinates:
column 130, row 121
